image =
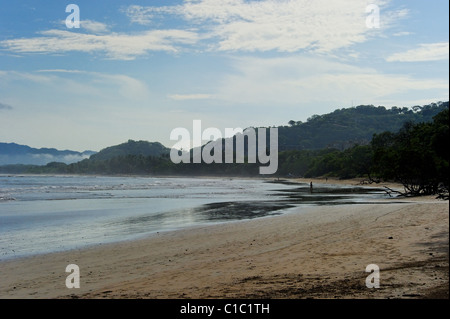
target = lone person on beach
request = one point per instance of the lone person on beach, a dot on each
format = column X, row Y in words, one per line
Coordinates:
column 311, row 187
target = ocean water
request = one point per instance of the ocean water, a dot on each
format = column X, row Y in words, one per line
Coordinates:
column 41, row 214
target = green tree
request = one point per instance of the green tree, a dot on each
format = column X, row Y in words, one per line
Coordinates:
column 417, row 156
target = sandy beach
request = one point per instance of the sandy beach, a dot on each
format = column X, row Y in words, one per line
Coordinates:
column 316, row 252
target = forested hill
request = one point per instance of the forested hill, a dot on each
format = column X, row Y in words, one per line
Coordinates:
column 131, row 147
column 346, row 127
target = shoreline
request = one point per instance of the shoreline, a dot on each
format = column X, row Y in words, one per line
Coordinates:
column 273, row 207
column 350, row 181
column 294, row 180
column 320, row 252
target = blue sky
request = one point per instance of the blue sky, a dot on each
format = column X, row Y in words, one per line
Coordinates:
column 139, row 69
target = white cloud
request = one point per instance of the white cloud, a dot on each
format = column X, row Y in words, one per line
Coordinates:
column 285, row 26
column 81, row 83
column 297, row 80
column 61, row 71
column 138, row 14
column 402, row 34
column 125, row 85
column 11, row 76
column 319, row 26
column 90, row 26
column 143, row 15
column 281, row 25
column 425, row 52
column 184, row 97
column 94, row 26
column 114, row 45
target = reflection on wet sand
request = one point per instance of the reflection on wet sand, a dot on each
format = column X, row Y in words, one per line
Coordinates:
column 241, row 210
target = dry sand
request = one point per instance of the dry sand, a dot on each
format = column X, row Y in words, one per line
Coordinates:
column 319, row 252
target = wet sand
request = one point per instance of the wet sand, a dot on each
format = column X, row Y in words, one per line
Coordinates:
column 318, row 252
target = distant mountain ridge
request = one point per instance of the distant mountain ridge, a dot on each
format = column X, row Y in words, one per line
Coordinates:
column 340, row 129
column 12, row 153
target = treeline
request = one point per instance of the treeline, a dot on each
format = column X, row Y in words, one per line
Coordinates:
column 350, row 163
column 139, row 165
column 416, row 156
